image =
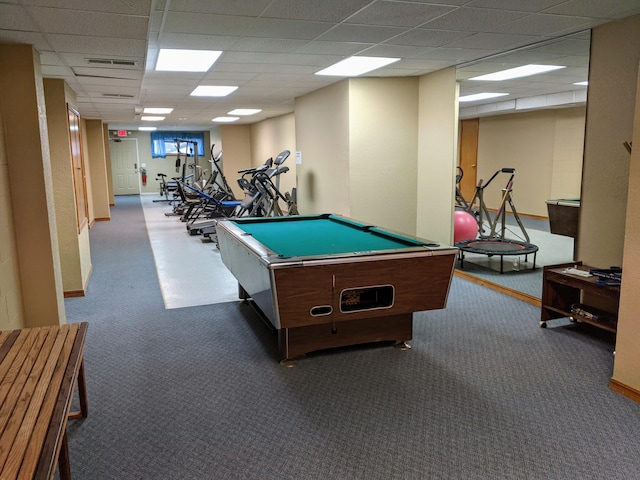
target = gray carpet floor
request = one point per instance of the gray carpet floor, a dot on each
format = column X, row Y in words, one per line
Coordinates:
column 198, row 393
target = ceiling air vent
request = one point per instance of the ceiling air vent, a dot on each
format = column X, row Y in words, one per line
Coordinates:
column 117, row 95
column 114, row 62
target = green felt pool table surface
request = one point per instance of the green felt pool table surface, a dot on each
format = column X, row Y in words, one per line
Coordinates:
column 322, row 235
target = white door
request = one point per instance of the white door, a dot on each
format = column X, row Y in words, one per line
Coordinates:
column 124, row 166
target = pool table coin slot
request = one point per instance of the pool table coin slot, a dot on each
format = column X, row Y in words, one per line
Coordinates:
column 320, row 310
column 366, row 298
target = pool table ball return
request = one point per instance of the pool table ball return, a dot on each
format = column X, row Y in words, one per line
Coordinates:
column 326, row 281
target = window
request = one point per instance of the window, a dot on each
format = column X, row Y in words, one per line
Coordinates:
column 167, row 143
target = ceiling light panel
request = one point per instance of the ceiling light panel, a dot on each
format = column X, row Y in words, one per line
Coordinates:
column 157, row 110
column 179, row 60
column 225, row 119
column 354, row 66
column 212, row 91
column 480, row 96
column 244, row 111
column 518, row 72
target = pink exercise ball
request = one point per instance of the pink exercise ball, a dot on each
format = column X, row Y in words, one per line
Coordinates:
column 465, row 226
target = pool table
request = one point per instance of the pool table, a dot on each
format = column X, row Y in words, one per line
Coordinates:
column 326, row 281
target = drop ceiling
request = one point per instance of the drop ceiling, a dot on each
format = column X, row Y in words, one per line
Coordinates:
column 106, row 49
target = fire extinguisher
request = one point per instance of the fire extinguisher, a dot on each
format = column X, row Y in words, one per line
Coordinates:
column 143, row 172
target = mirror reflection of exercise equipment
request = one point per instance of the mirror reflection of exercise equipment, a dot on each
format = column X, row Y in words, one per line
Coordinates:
column 489, row 237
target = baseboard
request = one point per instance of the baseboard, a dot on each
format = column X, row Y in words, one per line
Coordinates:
column 625, row 390
column 499, row 288
column 525, row 215
column 74, row 293
column 80, row 293
column 102, row 219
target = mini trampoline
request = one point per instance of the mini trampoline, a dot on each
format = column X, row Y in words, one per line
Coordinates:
column 496, row 247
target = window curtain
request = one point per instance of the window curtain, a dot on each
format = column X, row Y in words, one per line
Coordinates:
column 158, row 140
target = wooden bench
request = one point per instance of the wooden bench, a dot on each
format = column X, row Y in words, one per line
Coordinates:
column 39, row 368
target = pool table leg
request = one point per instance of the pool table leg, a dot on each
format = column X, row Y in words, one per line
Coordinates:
column 242, row 293
column 402, row 346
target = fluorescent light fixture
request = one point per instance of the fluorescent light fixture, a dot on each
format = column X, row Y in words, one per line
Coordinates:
column 225, row 119
column 157, row 111
column 151, row 118
column 480, row 96
column 585, row 83
column 524, row 71
column 212, row 91
column 244, row 111
column 147, row 129
column 354, row 66
column 178, row 60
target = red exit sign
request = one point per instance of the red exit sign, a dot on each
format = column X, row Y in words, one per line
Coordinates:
column 122, row 133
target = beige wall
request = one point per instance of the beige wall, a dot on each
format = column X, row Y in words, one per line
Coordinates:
column 383, row 147
column 11, row 314
column 75, row 257
column 566, row 172
column 322, row 126
column 236, row 147
column 437, row 155
column 268, row 139
column 96, row 159
column 86, row 165
column 31, row 192
column 545, row 148
column 107, row 154
column 381, row 150
column 610, row 108
column 627, row 361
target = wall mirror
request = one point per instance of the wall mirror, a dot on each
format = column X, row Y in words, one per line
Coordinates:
column 519, row 151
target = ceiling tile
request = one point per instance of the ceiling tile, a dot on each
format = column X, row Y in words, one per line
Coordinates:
column 427, row 38
column 361, row 33
column 333, row 48
column 314, row 10
column 272, row 48
column 609, row 9
column 138, row 7
column 91, row 23
column 207, row 24
column 394, row 51
column 279, row 28
column 516, row 5
column 474, row 19
column 268, row 45
column 545, row 24
column 495, row 41
column 248, row 8
column 97, row 45
column 400, row 14
column 12, row 17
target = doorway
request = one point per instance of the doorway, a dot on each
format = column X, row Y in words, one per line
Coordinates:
column 124, row 165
